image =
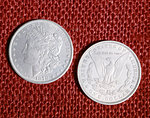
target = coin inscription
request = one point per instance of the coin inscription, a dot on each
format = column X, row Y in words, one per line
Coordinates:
column 41, row 51
column 109, row 72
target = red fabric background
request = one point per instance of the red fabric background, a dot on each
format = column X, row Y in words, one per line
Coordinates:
column 86, row 21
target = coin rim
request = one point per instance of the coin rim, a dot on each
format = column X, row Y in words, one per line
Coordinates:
column 135, row 87
column 12, row 62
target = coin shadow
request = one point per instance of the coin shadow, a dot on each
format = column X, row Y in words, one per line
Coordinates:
column 77, row 59
column 9, row 40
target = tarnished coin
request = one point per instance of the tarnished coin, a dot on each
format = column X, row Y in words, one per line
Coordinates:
column 41, row 51
column 109, row 72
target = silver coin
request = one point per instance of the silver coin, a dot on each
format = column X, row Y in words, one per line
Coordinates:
column 109, row 72
column 41, row 51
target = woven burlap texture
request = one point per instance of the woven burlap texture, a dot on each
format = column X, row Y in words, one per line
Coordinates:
column 87, row 22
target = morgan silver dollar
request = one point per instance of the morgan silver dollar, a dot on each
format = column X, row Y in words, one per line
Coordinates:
column 41, row 51
column 109, row 72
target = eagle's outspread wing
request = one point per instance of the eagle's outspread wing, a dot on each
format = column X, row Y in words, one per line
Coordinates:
column 99, row 65
column 119, row 64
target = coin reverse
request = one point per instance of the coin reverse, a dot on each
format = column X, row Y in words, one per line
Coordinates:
column 109, row 72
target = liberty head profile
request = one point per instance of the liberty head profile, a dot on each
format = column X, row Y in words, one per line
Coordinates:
column 42, row 52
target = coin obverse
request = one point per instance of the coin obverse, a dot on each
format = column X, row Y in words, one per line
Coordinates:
column 109, row 72
column 41, row 51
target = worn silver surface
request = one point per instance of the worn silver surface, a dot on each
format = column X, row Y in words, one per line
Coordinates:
column 41, row 51
column 109, row 72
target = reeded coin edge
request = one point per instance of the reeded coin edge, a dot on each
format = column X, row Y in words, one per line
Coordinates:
column 10, row 52
column 131, row 93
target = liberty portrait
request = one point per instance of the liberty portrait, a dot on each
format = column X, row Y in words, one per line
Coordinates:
column 41, row 52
